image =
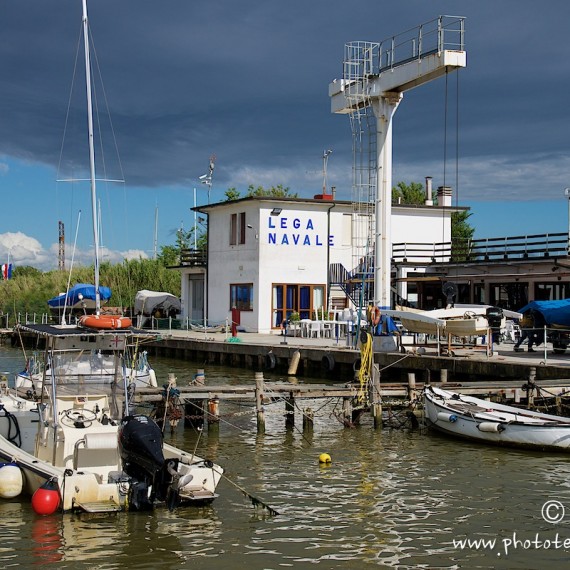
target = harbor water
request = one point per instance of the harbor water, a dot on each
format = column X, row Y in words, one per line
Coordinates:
column 391, row 498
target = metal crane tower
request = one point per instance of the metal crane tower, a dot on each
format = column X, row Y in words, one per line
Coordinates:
column 375, row 77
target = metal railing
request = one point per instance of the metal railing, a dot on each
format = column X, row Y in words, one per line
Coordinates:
column 513, row 248
column 193, row 257
column 435, row 36
column 363, row 59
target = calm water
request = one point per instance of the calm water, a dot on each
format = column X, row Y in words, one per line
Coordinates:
column 393, row 498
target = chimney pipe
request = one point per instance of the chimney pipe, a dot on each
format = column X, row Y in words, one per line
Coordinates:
column 429, row 200
column 444, row 196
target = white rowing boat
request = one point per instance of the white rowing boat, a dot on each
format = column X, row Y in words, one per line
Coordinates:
column 479, row 420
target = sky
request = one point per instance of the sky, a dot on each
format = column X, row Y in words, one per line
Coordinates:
column 247, row 82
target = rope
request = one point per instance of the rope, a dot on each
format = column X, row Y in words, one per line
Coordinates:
column 366, row 359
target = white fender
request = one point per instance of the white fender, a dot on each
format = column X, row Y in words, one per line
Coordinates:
column 11, row 481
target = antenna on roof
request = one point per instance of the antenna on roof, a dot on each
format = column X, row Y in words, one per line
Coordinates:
column 326, row 155
column 207, row 178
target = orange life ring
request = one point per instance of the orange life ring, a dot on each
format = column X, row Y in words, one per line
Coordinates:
column 375, row 316
column 105, row 322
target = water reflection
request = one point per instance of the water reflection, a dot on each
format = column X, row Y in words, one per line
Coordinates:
column 389, row 499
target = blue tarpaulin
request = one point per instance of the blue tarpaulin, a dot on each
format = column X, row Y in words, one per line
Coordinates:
column 87, row 291
column 554, row 312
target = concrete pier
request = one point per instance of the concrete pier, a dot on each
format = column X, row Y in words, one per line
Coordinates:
column 334, row 360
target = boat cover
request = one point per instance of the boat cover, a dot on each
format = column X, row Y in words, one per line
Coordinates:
column 554, row 312
column 87, row 291
column 146, row 302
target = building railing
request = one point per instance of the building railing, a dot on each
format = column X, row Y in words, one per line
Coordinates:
column 444, row 32
column 193, row 258
column 363, row 59
column 511, row 248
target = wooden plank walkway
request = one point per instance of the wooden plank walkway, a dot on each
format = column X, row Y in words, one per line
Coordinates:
column 509, row 390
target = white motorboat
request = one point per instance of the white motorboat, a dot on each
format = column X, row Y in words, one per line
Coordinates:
column 479, row 420
column 458, row 321
column 91, row 450
column 100, row 455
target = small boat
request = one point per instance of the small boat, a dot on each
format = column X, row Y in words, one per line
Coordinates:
column 92, row 450
column 457, row 321
column 207, row 328
column 80, row 297
column 487, row 422
column 97, row 452
column 147, row 303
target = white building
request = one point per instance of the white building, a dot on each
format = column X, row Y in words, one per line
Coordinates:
column 269, row 257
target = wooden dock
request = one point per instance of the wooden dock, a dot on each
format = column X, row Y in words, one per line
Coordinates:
column 202, row 402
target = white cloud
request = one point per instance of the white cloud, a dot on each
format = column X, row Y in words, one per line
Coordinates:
column 20, row 249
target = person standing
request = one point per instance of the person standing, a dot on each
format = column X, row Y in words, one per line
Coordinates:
column 527, row 332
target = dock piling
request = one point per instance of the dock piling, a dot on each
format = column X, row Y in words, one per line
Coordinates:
column 308, row 420
column 294, row 363
column 412, row 394
column 376, row 398
column 259, row 389
column 213, row 414
column 290, row 411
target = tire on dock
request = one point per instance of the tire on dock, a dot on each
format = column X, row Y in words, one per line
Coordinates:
column 270, row 361
column 328, row 363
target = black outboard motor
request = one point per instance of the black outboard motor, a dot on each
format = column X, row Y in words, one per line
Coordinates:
column 140, row 447
column 494, row 318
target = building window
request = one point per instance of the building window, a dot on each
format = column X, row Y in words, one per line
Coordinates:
column 238, row 227
column 479, row 297
column 307, row 300
column 551, row 291
column 233, row 229
column 242, row 227
column 241, row 296
column 510, row 296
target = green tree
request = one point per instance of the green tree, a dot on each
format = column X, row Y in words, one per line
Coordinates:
column 274, row 192
column 170, row 254
column 26, row 271
column 278, row 191
column 30, row 289
column 412, row 193
column 461, row 235
column 461, row 231
column 232, row 194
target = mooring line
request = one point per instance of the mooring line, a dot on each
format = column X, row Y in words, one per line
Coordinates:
column 254, row 500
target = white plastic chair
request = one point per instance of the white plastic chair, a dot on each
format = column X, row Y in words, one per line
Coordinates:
column 315, row 329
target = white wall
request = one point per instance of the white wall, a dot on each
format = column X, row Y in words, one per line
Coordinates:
column 292, row 247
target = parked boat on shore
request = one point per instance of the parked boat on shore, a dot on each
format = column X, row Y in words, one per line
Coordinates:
column 457, row 321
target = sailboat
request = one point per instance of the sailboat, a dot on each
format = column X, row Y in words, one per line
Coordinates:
column 92, row 451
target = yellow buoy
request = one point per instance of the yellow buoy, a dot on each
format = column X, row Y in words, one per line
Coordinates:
column 325, row 458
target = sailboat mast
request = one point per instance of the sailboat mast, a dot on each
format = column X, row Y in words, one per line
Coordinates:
column 91, row 155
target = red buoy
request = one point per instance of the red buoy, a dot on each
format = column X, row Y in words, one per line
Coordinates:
column 45, row 500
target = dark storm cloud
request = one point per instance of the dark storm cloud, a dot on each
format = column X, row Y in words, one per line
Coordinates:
column 248, row 82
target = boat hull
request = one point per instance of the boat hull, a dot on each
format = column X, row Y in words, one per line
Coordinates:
column 478, row 420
